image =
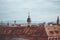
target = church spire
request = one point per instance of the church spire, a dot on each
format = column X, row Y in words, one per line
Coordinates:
column 29, row 20
column 58, row 20
column 28, row 14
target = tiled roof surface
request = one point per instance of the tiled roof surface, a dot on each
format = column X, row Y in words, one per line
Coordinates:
column 53, row 31
column 23, row 31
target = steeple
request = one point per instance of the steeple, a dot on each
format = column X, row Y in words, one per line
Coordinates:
column 58, row 20
column 29, row 20
column 28, row 14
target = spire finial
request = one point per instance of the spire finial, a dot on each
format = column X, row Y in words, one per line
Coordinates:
column 28, row 14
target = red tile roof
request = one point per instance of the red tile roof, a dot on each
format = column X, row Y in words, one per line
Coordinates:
column 23, row 31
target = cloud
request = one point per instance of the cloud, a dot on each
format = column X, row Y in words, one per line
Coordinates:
column 18, row 9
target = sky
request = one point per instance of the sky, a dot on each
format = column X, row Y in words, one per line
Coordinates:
column 40, row 10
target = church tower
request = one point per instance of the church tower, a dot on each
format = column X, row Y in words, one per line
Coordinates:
column 58, row 20
column 28, row 20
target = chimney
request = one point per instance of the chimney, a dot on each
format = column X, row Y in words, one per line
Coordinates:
column 8, row 24
column 14, row 22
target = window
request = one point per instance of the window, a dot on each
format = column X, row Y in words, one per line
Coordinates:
column 58, row 38
column 51, row 32
column 56, row 31
column 55, row 38
column 51, row 38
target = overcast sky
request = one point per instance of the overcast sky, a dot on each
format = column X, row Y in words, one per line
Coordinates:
column 40, row 10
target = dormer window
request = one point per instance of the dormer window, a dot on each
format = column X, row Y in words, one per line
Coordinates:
column 51, row 32
column 56, row 31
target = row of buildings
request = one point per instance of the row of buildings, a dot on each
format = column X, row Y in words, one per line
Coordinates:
column 31, row 32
